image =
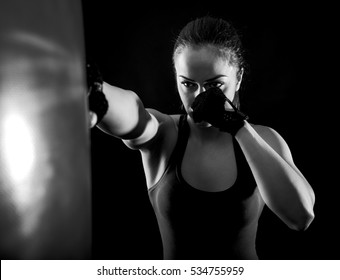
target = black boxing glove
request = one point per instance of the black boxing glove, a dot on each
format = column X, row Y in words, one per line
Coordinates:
column 97, row 100
column 209, row 106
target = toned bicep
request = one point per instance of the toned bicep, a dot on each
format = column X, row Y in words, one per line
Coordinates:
column 275, row 141
column 278, row 144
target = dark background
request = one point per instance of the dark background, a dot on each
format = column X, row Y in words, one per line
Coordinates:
column 288, row 87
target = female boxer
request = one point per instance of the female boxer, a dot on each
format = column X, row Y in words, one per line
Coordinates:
column 209, row 171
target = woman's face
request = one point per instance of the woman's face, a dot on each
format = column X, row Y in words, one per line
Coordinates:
column 198, row 69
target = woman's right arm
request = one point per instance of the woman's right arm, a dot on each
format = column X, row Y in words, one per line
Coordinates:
column 126, row 117
column 148, row 130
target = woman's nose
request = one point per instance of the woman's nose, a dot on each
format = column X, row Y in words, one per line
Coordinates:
column 199, row 90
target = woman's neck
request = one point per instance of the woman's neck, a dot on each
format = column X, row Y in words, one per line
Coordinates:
column 204, row 132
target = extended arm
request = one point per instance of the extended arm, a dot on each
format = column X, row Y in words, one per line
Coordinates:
column 282, row 186
column 126, row 117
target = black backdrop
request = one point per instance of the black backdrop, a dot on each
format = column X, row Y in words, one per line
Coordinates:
column 288, row 87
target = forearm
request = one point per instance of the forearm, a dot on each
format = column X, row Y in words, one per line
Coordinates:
column 282, row 186
column 126, row 116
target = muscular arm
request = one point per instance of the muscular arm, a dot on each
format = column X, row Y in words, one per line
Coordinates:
column 126, row 117
column 282, row 186
column 148, row 130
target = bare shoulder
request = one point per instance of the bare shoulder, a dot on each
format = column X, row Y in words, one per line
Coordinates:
column 167, row 123
column 163, row 118
column 274, row 139
column 175, row 118
column 167, row 130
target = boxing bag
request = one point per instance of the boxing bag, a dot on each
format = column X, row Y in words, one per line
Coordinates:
column 45, row 202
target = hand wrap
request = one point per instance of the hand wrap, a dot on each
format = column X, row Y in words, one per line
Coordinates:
column 97, row 101
column 209, row 106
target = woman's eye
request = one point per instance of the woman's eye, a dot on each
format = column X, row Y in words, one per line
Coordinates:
column 188, row 84
column 213, row 84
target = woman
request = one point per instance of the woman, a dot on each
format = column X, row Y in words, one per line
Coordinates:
column 209, row 172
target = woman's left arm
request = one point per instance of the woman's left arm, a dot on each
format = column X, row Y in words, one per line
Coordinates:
column 282, row 186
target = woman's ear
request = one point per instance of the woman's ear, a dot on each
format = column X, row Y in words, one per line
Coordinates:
column 239, row 76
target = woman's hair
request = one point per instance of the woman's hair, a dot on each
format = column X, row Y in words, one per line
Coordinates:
column 215, row 32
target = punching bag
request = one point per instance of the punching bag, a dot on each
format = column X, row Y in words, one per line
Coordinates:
column 45, row 202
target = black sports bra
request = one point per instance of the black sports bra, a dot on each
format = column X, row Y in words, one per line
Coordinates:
column 196, row 224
